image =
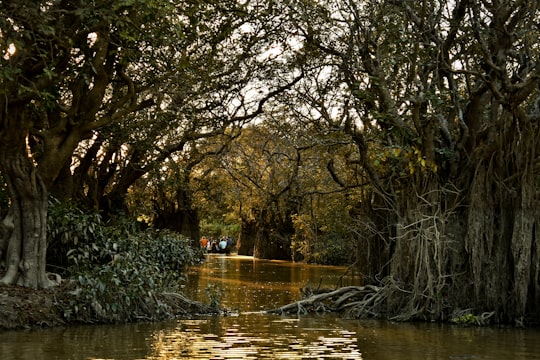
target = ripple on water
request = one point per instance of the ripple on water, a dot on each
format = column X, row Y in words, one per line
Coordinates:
column 252, row 340
column 257, row 337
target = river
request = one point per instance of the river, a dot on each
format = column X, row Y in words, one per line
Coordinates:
column 246, row 286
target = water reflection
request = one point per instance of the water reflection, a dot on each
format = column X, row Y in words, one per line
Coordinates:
column 130, row 341
column 256, row 337
column 272, row 337
column 252, row 285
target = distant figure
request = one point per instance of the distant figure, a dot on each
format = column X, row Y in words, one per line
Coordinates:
column 223, row 244
column 204, row 242
column 215, row 246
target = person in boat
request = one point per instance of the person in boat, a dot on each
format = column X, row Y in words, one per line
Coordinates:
column 223, row 248
column 204, row 242
column 215, row 246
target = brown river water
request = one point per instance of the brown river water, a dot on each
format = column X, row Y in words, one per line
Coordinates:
column 246, row 286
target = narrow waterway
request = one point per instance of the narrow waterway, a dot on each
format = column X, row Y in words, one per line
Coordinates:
column 247, row 286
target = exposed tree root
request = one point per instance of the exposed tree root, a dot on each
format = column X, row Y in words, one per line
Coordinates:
column 388, row 301
column 338, row 300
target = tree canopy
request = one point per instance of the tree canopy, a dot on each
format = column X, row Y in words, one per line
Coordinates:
column 85, row 80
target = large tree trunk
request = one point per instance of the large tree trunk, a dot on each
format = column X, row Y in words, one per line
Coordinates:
column 246, row 240
column 502, row 240
column 471, row 242
column 271, row 245
column 266, row 237
column 25, row 255
column 25, row 252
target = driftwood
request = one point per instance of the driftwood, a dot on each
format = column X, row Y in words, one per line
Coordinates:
column 339, row 300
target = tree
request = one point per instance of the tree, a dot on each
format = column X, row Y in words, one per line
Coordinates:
column 75, row 71
column 441, row 100
column 221, row 83
column 273, row 180
column 89, row 77
column 263, row 192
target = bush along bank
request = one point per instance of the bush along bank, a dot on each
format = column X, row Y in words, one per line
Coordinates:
column 129, row 277
column 111, row 273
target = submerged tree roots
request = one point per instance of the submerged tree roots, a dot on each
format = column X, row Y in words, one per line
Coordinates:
column 377, row 302
column 358, row 301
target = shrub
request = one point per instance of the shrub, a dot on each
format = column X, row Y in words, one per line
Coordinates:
column 119, row 277
column 466, row 319
column 66, row 227
column 117, row 271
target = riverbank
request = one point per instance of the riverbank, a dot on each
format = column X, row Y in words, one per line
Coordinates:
column 23, row 308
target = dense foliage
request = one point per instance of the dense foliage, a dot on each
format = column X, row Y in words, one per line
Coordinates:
column 424, row 118
column 117, row 271
column 440, row 100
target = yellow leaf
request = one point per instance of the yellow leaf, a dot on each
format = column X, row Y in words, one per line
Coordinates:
column 411, row 167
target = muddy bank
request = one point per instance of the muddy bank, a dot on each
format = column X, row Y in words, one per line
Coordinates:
column 24, row 308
